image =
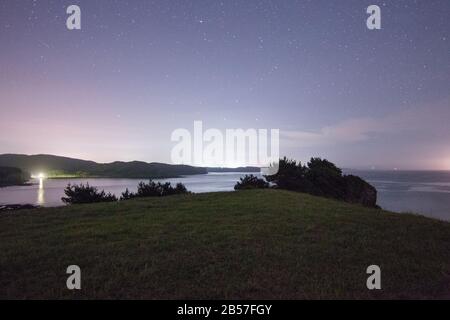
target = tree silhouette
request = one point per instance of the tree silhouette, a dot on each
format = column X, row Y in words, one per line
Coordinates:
column 85, row 194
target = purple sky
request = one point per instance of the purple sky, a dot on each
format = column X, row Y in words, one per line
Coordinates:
column 138, row 70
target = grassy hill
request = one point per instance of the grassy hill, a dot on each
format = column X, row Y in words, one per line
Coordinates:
column 56, row 166
column 250, row 244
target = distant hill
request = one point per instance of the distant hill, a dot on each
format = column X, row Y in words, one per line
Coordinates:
column 56, row 166
column 10, row 176
column 239, row 169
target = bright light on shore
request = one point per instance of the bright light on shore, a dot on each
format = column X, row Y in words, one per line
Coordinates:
column 40, row 175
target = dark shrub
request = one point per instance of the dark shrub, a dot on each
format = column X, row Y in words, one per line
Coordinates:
column 154, row 189
column 251, row 182
column 291, row 176
column 127, row 195
column 180, row 189
column 324, row 179
column 150, row 189
column 320, row 177
column 359, row 191
column 86, row 194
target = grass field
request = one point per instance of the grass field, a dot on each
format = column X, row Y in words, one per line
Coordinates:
column 266, row 244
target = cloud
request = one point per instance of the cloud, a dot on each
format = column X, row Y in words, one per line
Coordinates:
column 353, row 130
column 421, row 121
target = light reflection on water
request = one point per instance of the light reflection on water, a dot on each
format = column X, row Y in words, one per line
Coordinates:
column 41, row 193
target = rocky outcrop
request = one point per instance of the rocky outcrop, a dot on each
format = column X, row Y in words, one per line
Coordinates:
column 359, row 191
column 322, row 178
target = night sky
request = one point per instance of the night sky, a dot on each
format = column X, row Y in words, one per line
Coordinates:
column 137, row 70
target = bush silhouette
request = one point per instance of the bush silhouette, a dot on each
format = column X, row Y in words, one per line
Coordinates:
column 127, row 195
column 86, row 194
column 154, row 189
column 325, row 179
column 290, row 176
column 251, row 182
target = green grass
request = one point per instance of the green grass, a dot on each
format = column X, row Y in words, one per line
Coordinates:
column 265, row 244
